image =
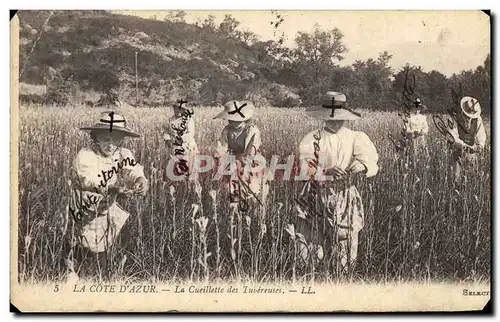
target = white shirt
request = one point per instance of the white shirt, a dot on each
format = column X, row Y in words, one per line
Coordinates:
column 417, row 123
column 99, row 232
column 340, row 149
column 89, row 166
column 186, row 126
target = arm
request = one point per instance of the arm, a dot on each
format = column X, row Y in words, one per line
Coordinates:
column 425, row 125
column 188, row 136
column 134, row 171
column 364, row 154
column 222, row 144
column 479, row 143
column 87, row 171
column 480, row 136
column 306, row 155
column 253, row 141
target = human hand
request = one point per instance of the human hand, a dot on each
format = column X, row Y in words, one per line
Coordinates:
column 141, row 185
column 356, row 167
column 119, row 191
column 336, row 172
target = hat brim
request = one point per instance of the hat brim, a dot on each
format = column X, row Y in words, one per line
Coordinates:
column 125, row 131
column 224, row 115
column 474, row 115
column 321, row 113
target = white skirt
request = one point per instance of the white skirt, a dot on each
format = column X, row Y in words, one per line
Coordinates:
column 101, row 232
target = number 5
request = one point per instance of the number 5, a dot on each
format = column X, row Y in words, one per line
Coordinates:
column 56, row 288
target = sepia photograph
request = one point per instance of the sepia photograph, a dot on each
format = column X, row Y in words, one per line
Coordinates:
column 251, row 161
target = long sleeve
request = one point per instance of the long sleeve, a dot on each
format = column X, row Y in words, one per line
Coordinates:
column 253, row 141
column 84, row 197
column 188, row 136
column 306, row 148
column 481, row 134
column 425, row 125
column 308, row 161
column 222, row 144
column 365, row 152
column 87, row 169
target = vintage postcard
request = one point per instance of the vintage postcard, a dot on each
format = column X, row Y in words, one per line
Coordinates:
column 250, row 161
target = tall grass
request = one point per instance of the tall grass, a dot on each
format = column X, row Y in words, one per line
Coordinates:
column 417, row 226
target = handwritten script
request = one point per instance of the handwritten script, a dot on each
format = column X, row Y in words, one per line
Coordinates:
column 178, row 141
column 308, row 203
column 80, row 206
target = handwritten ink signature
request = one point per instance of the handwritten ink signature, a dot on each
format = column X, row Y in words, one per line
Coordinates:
column 449, row 123
column 82, row 206
column 114, row 170
column 178, row 142
column 310, row 205
column 314, row 163
column 408, row 92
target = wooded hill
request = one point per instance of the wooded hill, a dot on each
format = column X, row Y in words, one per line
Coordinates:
column 78, row 57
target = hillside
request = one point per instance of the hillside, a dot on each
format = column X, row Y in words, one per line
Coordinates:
column 82, row 55
column 89, row 58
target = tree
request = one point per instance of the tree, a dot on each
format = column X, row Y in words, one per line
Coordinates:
column 420, row 86
column 228, row 26
column 248, row 37
column 372, row 81
column 315, row 56
column 438, row 94
column 209, row 24
column 176, row 16
column 487, row 65
column 320, row 46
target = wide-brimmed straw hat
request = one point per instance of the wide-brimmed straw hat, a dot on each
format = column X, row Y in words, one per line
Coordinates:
column 333, row 107
column 237, row 111
column 112, row 122
column 470, row 106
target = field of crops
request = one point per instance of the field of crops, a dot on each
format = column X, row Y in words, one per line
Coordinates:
column 419, row 227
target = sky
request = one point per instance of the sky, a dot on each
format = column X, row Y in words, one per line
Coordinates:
column 446, row 41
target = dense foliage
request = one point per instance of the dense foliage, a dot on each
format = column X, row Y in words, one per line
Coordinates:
column 210, row 63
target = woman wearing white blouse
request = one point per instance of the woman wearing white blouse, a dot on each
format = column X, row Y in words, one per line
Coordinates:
column 182, row 148
column 416, row 129
column 242, row 140
column 344, row 154
column 102, row 173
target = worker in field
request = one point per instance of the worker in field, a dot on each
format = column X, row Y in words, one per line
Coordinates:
column 468, row 136
column 182, row 148
column 240, row 140
column 103, row 173
column 331, row 210
column 416, row 129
